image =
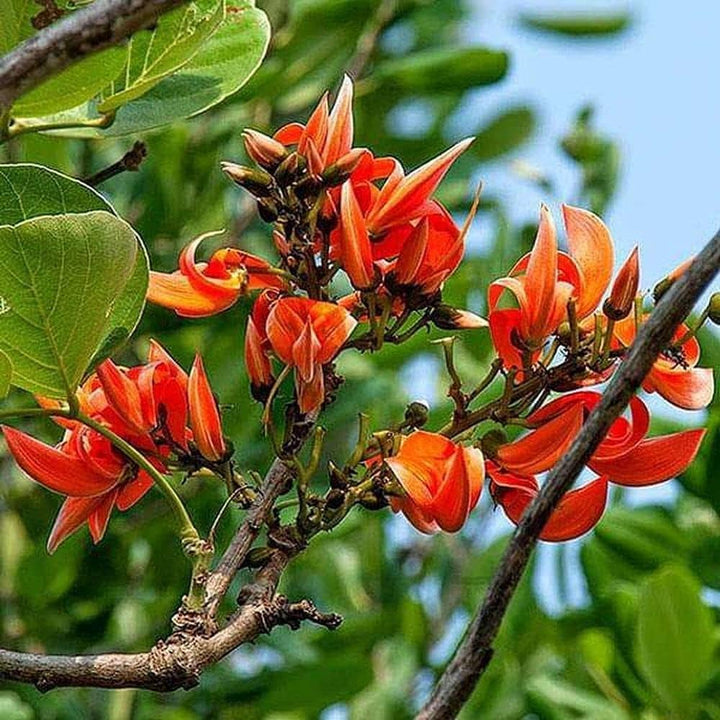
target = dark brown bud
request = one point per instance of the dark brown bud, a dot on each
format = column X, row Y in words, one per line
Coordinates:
column 335, row 498
column 255, row 181
column 268, row 210
column 416, row 413
column 343, row 168
column 288, row 171
column 447, row 317
column 338, row 480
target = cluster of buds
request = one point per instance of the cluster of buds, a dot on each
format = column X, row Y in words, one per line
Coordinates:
column 168, row 416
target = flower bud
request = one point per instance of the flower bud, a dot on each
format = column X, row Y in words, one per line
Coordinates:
column 256, row 182
column 204, row 415
column 264, row 150
column 268, row 210
column 416, row 413
column 666, row 283
column 447, row 317
column 624, row 289
column 714, row 308
column 338, row 481
column 289, row 169
column 343, row 168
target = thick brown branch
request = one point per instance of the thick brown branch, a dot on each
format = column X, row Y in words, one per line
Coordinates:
column 178, row 661
column 475, row 652
column 276, row 482
column 87, row 31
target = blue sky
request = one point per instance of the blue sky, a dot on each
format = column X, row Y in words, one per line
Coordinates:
column 655, row 89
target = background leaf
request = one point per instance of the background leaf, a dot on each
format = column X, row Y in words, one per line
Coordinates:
column 675, row 637
column 60, row 277
column 585, row 24
column 28, row 191
column 5, row 374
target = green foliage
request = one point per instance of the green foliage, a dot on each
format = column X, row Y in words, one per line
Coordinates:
column 57, row 298
column 579, row 24
column 675, row 638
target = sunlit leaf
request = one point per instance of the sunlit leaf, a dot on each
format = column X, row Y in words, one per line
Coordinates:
column 60, row 277
column 579, row 24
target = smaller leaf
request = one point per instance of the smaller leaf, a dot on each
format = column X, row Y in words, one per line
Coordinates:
column 504, row 133
column 72, row 86
column 441, row 71
column 5, row 374
column 579, row 24
column 675, row 637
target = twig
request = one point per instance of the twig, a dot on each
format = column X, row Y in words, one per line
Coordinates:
column 101, row 25
column 129, row 162
column 367, row 41
column 475, row 652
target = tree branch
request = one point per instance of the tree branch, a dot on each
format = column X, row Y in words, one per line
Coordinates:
column 276, row 482
column 178, row 661
column 101, row 25
column 475, row 652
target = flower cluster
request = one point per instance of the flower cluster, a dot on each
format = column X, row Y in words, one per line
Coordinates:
column 157, row 408
column 344, row 219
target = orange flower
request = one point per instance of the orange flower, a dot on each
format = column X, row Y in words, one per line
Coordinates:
column 544, row 280
column 257, row 347
column 306, row 334
column 202, row 289
column 577, row 513
column 147, row 406
column 624, row 290
column 674, row 375
column 442, row 481
column 625, row 456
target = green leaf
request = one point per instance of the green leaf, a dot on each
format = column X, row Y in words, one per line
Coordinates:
column 5, row 374
column 578, row 24
column 675, row 643
column 153, row 55
column 73, row 86
column 28, row 191
column 60, row 277
column 226, row 61
column 504, row 133
column 441, row 71
column 15, row 23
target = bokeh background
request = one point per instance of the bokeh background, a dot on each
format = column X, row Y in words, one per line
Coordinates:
column 615, row 109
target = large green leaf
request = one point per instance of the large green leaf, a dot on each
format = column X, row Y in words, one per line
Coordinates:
column 5, row 374
column 154, row 54
column 223, row 65
column 28, row 191
column 675, row 637
column 505, row 132
column 73, row 86
column 59, row 278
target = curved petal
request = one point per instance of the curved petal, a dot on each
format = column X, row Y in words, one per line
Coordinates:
column 421, row 520
column 204, row 414
column 123, row 395
column 55, row 469
column 99, row 518
column 451, row 503
column 310, row 393
column 133, row 490
column 289, row 134
column 577, row 513
column 690, row 389
column 285, row 322
column 174, row 291
column 333, row 325
column 541, row 277
column 652, row 461
column 219, row 285
column 413, row 477
column 340, row 124
column 73, row 513
column 592, row 249
column 540, row 449
column 355, row 251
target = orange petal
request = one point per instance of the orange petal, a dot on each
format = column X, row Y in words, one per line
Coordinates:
column 174, row 291
column 257, row 362
column 652, row 461
column 333, row 325
column 400, row 199
column 312, row 393
column 133, row 490
column 540, row 279
column 98, row 519
column 305, row 352
column 290, row 134
column 421, row 520
column 624, row 288
column 451, row 503
column 204, row 414
column 592, row 248
column 540, row 449
column 340, row 124
column 56, row 470
column 214, row 279
column 412, row 254
column 504, row 326
column 690, row 389
column 73, row 513
column 285, row 322
column 577, row 513
column 413, row 476
column 123, row 395
column 316, row 128
column 356, row 255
